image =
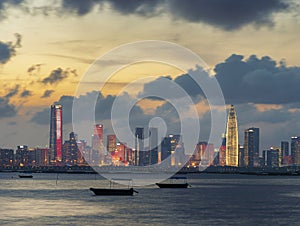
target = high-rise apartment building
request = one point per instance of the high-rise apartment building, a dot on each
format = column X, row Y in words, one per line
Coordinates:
column 71, row 150
column 251, row 147
column 295, row 150
column 285, row 152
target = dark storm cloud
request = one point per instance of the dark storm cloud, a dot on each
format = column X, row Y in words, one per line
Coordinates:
column 169, row 89
column 26, row 93
column 141, row 7
column 258, row 80
column 47, row 93
column 58, row 75
column 251, row 80
column 8, row 49
column 228, row 15
column 80, row 7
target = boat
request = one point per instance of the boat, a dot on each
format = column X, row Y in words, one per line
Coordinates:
column 114, row 191
column 174, row 182
column 25, row 176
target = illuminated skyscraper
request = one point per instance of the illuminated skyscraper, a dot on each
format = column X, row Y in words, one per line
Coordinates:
column 97, row 145
column 111, row 143
column 71, row 150
column 251, row 147
column 55, row 144
column 232, row 147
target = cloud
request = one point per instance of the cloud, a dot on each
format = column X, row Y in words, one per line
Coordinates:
column 102, row 110
column 47, row 93
column 12, row 92
column 6, row 109
column 58, row 75
column 227, row 15
column 34, row 69
column 80, row 7
column 5, row 4
column 242, row 80
column 26, row 93
column 257, row 80
column 8, row 49
column 141, row 7
column 42, row 117
column 169, row 89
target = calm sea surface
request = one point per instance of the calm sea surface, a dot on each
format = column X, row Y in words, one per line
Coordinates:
column 212, row 200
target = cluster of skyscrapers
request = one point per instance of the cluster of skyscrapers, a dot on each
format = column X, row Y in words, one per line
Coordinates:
column 168, row 151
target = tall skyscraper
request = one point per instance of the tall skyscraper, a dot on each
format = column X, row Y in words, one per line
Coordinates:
column 251, row 147
column 22, row 156
column 232, row 147
column 71, row 150
column 42, row 156
column 295, row 150
column 175, row 148
column 139, row 145
column 241, row 156
column 285, row 152
column 285, row 148
column 6, row 157
column 153, row 145
column 272, row 157
column 97, row 145
column 55, row 144
column 166, row 150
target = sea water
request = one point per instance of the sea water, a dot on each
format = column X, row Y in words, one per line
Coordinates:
column 213, row 199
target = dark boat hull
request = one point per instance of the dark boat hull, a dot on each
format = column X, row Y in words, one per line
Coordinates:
column 113, row 192
column 25, row 176
column 165, row 185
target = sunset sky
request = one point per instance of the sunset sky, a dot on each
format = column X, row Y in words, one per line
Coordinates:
column 251, row 47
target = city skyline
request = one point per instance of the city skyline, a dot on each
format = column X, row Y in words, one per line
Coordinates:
column 149, row 151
